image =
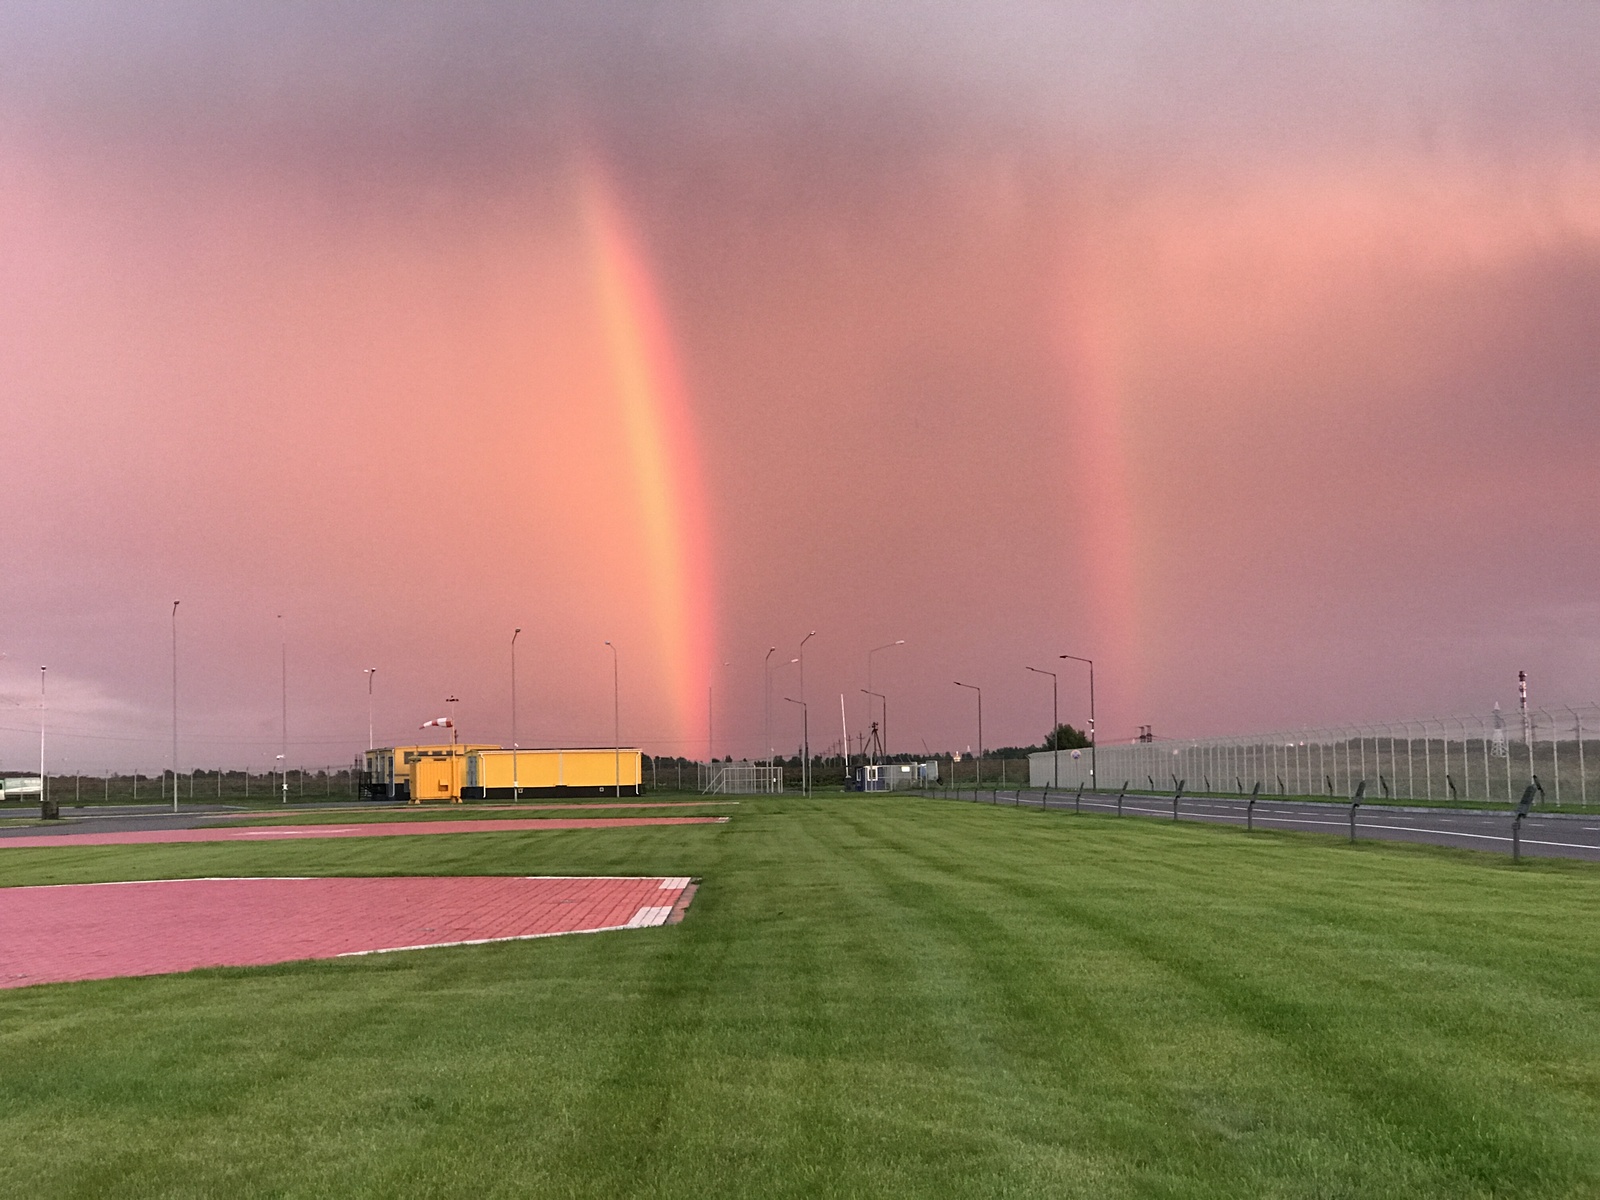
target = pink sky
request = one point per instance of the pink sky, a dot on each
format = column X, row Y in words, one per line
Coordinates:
column 1253, row 354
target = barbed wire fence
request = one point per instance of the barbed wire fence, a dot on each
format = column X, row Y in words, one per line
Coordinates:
column 1488, row 757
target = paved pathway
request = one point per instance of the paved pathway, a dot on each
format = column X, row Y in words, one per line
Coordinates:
column 78, row 931
column 267, row 833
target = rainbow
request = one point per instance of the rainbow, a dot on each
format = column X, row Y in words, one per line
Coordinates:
column 662, row 450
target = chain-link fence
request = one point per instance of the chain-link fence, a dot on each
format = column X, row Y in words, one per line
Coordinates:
column 311, row 783
column 1490, row 757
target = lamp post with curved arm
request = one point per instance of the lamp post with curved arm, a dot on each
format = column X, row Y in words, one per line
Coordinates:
column 1094, row 777
column 805, row 740
column 174, row 706
column 616, row 723
column 766, row 698
column 805, row 766
column 516, row 778
column 977, row 769
column 1055, row 725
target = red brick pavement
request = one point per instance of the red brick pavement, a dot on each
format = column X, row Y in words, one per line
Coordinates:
column 260, row 833
column 65, row 932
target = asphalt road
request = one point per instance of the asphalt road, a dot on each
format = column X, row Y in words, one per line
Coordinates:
column 114, row 818
column 1545, row 834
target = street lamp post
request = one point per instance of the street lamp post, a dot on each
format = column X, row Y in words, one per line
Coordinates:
column 174, row 706
column 977, row 769
column 1094, row 777
column 283, row 664
column 766, row 697
column 616, row 724
column 44, row 789
column 870, row 692
column 516, row 779
column 805, row 766
column 805, row 741
column 371, row 671
column 1055, row 724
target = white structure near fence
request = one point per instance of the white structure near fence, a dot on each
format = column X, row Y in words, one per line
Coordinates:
column 18, row 786
column 886, row 777
column 740, row 778
column 1489, row 757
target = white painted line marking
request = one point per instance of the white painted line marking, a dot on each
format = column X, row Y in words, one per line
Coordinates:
column 675, row 884
column 649, row 916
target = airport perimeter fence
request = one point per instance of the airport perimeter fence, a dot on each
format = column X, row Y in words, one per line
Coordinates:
column 1484, row 758
column 199, row 787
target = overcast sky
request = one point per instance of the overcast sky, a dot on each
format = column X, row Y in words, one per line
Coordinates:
column 1250, row 349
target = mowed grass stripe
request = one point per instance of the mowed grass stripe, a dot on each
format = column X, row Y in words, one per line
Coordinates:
column 870, row 996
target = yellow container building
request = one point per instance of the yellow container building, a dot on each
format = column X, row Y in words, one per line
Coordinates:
column 391, row 771
column 499, row 774
column 481, row 772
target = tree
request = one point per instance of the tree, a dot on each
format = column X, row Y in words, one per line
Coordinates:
column 1066, row 738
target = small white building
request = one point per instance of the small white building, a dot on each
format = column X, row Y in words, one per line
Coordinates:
column 886, row 777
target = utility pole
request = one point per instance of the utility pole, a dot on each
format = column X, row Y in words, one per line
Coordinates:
column 174, row 706
column 516, row 779
column 1055, row 724
column 1094, row 777
column 283, row 654
column 616, row 723
column 977, row 773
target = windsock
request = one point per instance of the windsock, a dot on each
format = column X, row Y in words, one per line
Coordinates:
column 441, row 722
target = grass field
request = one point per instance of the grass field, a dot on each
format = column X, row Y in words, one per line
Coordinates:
column 869, row 997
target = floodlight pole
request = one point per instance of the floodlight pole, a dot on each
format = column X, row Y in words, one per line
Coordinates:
column 516, row 780
column 371, row 671
column 805, row 766
column 766, row 696
column 174, row 706
column 44, row 793
column 977, row 767
column 1055, row 722
column 283, row 663
column 616, row 724
column 805, row 734
column 1094, row 777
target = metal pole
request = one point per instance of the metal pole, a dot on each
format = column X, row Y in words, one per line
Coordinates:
column 44, row 787
column 1583, row 782
column 516, row 778
column 978, row 762
column 1427, row 757
column 885, row 738
column 1555, row 757
column 805, row 765
column 1411, row 779
column 174, row 706
column 1484, row 730
column 805, row 741
column 1055, row 724
column 371, row 671
column 283, row 657
column 766, row 667
column 1094, row 774
column 616, row 723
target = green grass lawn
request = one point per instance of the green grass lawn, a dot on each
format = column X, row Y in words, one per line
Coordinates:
column 870, row 996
